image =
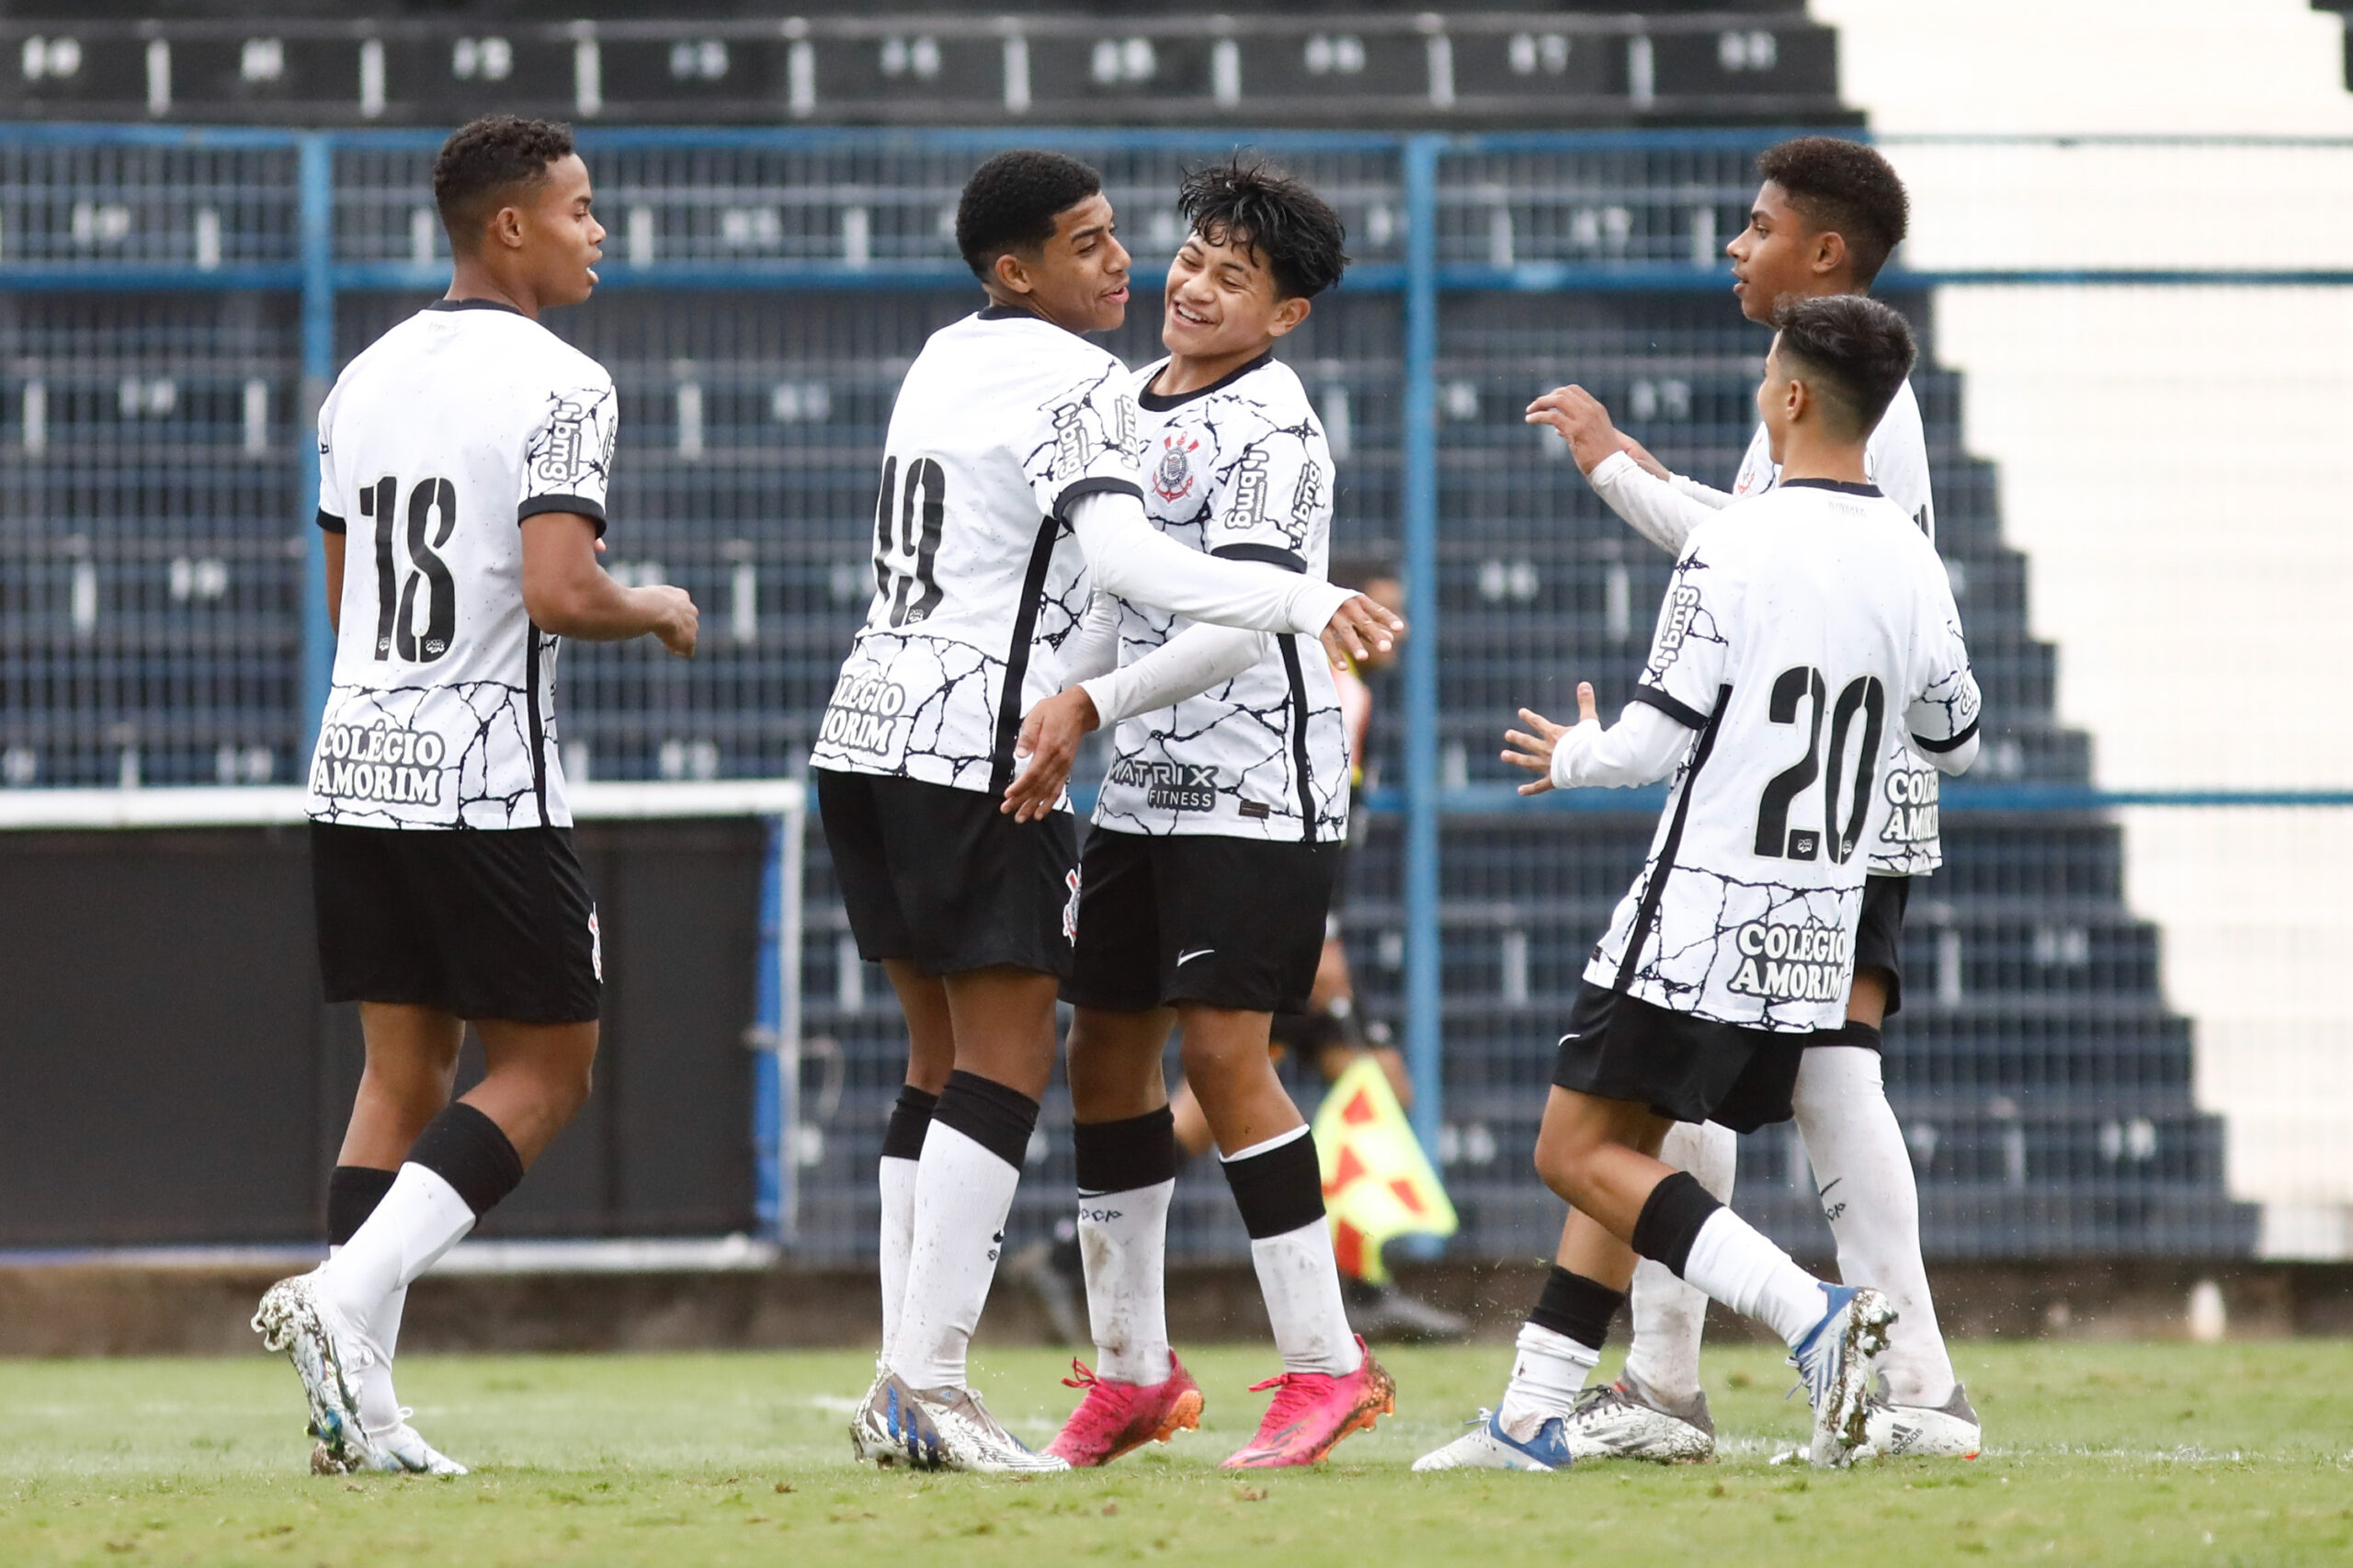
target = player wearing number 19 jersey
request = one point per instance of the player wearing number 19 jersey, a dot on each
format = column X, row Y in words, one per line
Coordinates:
column 1010, row 495
column 463, row 460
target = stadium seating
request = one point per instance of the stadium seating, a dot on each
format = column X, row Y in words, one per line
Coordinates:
column 151, row 566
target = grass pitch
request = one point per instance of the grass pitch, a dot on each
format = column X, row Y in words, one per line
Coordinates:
column 2099, row 1454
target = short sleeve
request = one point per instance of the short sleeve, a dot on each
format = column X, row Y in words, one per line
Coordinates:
column 569, row 457
column 1690, row 649
column 1945, row 701
column 1084, row 442
column 1271, row 498
column 1898, row 457
column 333, row 507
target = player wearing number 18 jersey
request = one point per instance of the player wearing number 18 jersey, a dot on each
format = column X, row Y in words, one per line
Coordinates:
column 463, row 460
column 1795, row 633
column 1010, row 495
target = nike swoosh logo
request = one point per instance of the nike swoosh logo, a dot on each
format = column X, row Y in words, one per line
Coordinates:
column 1183, row 958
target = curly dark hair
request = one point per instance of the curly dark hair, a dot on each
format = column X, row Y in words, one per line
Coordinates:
column 1277, row 217
column 1011, row 201
column 482, row 162
column 1846, row 188
column 1860, row 349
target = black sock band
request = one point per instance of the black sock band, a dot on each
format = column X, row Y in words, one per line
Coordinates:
column 1578, row 1307
column 465, row 1148
column 1279, row 1190
column 1671, row 1219
column 353, row 1192
column 910, row 1118
column 1855, row 1032
column 1119, row 1156
column 999, row 1119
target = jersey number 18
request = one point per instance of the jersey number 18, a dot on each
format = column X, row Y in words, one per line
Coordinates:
column 1803, row 683
column 432, row 518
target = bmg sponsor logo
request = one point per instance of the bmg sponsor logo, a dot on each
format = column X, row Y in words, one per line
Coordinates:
column 382, row 762
column 1168, row 785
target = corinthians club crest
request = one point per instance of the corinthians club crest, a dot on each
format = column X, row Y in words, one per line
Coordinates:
column 1173, row 480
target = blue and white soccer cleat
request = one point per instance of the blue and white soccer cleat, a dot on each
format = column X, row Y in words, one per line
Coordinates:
column 1488, row 1447
column 329, row 1355
column 889, row 1430
column 1834, row 1358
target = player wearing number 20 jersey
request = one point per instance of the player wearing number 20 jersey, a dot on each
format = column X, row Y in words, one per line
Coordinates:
column 435, row 443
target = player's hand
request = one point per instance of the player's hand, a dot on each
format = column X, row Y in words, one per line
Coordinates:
column 1583, row 423
column 1048, row 746
column 1360, row 629
column 676, row 621
column 1643, row 457
column 1533, row 752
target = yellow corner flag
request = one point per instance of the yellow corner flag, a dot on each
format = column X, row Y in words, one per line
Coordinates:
column 1377, row 1182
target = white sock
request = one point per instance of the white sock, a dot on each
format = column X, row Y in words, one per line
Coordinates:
column 896, row 1177
column 1669, row 1315
column 421, row 1218
column 1731, row 1261
column 1870, row 1195
column 1547, row 1374
column 1124, row 1238
column 1299, row 1279
column 962, row 1195
column 380, row 1406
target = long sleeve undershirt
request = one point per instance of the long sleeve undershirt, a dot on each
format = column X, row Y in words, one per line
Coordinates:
column 1663, row 511
column 1128, row 557
column 1644, row 746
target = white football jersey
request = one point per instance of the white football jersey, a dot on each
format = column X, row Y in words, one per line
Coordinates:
column 1239, row 470
column 1896, row 459
column 1004, row 420
column 1797, row 633
column 434, row 444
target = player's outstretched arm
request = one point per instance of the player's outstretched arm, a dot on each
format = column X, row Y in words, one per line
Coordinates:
column 1630, row 481
column 568, row 594
column 1186, row 666
column 1135, row 561
column 1642, row 747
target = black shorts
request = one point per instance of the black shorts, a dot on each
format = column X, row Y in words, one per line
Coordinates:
column 940, row 876
column 1197, row 917
column 1621, row 1048
column 480, row 924
column 1879, row 940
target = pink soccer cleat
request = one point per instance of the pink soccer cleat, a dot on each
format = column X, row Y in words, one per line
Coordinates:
column 1116, row 1417
column 1313, row 1411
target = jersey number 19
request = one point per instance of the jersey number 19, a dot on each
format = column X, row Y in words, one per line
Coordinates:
column 1803, row 683
column 432, row 518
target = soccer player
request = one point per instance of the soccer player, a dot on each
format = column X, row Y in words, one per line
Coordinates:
column 1010, row 494
column 1208, row 873
column 1795, row 631
column 1825, row 219
column 470, row 448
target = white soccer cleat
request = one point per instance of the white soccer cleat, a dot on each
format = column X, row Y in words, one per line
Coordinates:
column 1947, row 1431
column 888, row 1431
column 1622, row 1420
column 1834, row 1358
column 403, row 1449
column 328, row 1356
column 1487, row 1446
column 970, row 1439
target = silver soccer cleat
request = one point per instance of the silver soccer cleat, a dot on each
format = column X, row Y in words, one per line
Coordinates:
column 971, row 1438
column 1624, row 1420
column 1947, row 1431
column 329, row 1355
column 1834, row 1358
column 887, row 1430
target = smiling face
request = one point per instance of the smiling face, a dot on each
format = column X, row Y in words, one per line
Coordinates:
column 550, row 234
column 1780, row 256
column 1078, row 278
column 1222, row 302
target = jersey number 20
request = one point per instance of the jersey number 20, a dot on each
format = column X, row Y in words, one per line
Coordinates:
column 432, row 511
column 906, row 538
column 1775, row 839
